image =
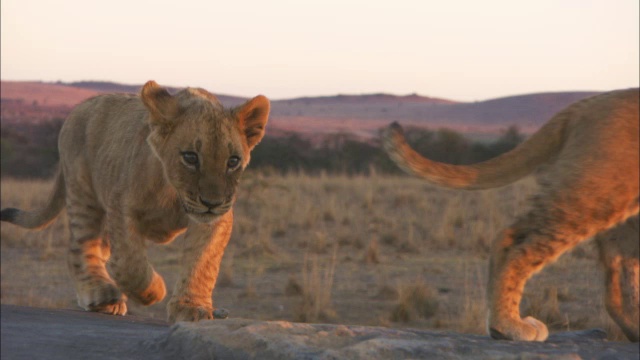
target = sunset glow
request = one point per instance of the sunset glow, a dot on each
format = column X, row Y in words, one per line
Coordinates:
column 462, row 50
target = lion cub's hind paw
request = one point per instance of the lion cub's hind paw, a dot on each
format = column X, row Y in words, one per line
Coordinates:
column 542, row 332
column 118, row 308
column 529, row 329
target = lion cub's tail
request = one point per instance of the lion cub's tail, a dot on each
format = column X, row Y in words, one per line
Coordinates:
column 39, row 218
column 496, row 172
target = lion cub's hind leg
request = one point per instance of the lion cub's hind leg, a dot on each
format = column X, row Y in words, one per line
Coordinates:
column 619, row 254
column 89, row 253
column 514, row 258
column 554, row 225
column 129, row 264
column 534, row 240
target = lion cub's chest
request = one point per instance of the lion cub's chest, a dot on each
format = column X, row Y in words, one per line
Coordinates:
column 159, row 225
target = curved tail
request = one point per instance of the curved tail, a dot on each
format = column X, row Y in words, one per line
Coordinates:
column 496, row 172
column 39, row 218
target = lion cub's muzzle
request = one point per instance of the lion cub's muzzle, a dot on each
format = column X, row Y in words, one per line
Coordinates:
column 217, row 208
column 205, row 211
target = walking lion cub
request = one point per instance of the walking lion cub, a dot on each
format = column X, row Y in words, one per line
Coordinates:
column 149, row 167
column 586, row 162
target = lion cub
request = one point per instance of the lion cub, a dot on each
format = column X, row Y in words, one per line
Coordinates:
column 149, row 167
column 586, row 159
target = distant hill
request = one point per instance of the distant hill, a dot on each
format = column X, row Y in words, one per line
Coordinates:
column 368, row 98
column 105, row 86
column 43, row 94
column 361, row 115
column 111, row 87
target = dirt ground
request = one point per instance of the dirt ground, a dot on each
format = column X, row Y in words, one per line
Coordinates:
column 365, row 250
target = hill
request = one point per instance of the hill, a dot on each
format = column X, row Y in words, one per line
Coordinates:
column 111, row 87
column 361, row 115
column 32, row 93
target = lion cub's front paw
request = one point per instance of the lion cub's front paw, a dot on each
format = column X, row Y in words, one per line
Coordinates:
column 183, row 312
column 527, row 329
column 104, row 298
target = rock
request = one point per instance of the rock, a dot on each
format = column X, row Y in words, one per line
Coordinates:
column 248, row 339
column 33, row 333
column 65, row 334
column 220, row 313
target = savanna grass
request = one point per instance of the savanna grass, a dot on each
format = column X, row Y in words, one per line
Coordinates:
column 337, row 248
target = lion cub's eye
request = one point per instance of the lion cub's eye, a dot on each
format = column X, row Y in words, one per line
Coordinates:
column 233, row 162
column 190, row 158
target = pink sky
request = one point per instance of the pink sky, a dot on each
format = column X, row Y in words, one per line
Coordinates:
column 462, row 50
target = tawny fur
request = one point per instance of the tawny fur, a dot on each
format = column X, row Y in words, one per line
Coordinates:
column 586, row 162
column 127, row 174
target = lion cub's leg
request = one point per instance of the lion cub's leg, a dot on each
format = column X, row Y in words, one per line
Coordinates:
column 129, row 264
column 619, row 252
column 202, row 254
column 568, row 209
column 88, row 254
column 515, row 257
column 536, row 239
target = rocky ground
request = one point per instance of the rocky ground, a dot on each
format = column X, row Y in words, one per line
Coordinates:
column 34, row 333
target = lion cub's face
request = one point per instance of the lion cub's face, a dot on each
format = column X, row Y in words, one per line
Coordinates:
column 203, row 147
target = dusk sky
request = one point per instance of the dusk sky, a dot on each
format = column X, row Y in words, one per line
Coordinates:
column 462, row 50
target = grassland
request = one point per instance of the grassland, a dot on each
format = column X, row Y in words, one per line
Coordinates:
column 369, row 250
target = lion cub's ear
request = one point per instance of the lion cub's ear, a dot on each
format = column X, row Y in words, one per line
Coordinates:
column 253, row 116
column 161, row 105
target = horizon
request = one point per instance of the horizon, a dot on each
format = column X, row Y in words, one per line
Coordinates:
column 464, row 51
column 432, row 96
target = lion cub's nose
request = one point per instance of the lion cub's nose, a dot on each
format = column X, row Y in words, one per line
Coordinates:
column 210, row 204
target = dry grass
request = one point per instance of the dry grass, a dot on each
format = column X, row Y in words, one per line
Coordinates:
column 386, row 232
column 416, row 299
column 317, row 287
